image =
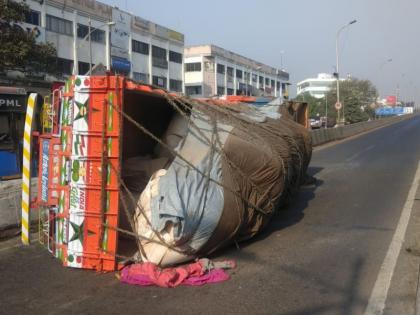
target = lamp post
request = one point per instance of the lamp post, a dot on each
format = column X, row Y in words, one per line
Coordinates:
column 326, row 111
column 281, row 59
column 107, row 44
column 338, row 63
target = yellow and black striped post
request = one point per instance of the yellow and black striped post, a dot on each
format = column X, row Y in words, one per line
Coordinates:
column 26, row 173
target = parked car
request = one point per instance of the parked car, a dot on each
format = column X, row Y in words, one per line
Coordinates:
column 330, row 122
column 315, row 124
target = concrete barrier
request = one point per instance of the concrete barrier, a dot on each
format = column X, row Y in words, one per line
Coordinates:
column 10, row 202
column 321, row 136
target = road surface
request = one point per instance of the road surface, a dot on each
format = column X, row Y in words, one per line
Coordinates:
column 321, row 256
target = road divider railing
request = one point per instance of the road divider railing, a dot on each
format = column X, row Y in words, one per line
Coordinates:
column 325, row 135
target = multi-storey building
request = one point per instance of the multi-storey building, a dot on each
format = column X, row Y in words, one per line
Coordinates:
column 124, row 43
column 214, row 71
column 317, row 87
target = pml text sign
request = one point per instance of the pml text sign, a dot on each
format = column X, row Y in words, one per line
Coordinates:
column 13, row 103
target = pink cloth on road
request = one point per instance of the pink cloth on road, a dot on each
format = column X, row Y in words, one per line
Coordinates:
column 194, row 274
column 213, row 276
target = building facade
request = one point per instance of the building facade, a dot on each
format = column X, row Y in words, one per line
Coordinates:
column 214, row 71
column 317, row 87
column 126, row 44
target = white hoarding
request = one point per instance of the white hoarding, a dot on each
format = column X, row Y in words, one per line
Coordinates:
column 120, row 33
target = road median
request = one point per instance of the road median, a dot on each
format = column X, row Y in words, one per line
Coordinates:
column 322, row 136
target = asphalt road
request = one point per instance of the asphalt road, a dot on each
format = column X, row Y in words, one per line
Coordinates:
column 321, row 256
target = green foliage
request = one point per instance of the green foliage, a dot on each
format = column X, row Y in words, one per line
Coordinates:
column 18, row 48
column 317, row 105
column 356, row 96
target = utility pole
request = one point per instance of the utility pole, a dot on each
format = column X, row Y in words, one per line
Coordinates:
column 90, row 46
column 326, row 111
column 337, row 66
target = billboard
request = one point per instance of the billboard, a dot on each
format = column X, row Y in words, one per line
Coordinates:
column 389, row 111
column 120, row 33
column 391, row 100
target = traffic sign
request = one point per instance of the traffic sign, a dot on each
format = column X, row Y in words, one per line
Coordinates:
column 338, row 106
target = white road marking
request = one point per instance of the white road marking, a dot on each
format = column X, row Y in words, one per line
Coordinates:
column 356, row 155
column 379, row 293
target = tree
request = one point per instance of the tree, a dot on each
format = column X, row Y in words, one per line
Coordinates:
column 314, row 104
column 18, row 47
column 356, row 96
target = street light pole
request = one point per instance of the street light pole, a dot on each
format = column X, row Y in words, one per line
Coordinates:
column 338, row 64
column 281, row 59
column 90, row 46
column 326, row 112
column 108, row 46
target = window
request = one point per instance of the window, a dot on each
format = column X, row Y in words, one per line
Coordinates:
column 159, row 57
column 64, row 66
column 272, row 83
column 239, row 73
column 139, row 47
column 33, row 17
column 247, row 75
column 220, row 69
column 175, row 57
column 159, row 81
column 193, row 67
column 229, row 91
column 158, row 52
column 220, row 90
column 193, row 90
column 267, row 81
column 59, row 25
column 175, row 85
column 96, row 35
column 254, row 78
column 141, row 77
column 84, row 67
column 278, row 85
column 261, row 80
column 229, row 71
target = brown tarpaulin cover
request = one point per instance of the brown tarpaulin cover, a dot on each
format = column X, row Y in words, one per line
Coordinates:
column 275, row 165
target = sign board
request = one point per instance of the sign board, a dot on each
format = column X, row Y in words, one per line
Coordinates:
column 120, row 33
column 408, row 110
column 89, row 7
column 390, row 111
column 13, row 103
column 143, row 25
column 391, row 100
column 37, row 31
column 338, row 106
column 44, row 169
column 120, row 65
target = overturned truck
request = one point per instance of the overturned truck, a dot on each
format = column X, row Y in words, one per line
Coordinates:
column 134, row 172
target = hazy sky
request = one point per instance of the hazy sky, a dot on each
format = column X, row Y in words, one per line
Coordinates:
column 305, row 30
